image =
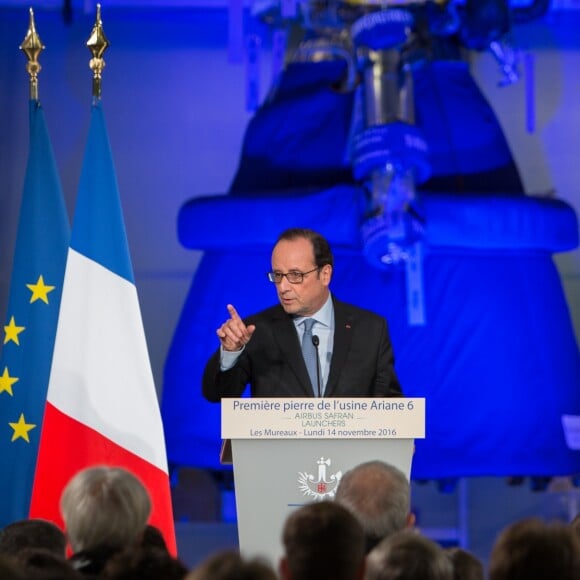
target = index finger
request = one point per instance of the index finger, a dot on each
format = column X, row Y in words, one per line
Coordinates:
column 233, row 313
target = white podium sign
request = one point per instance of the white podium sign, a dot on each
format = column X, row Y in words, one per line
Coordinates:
column 332, row 418
column 289, row 452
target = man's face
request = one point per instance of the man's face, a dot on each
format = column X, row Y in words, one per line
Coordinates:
column 308, row 297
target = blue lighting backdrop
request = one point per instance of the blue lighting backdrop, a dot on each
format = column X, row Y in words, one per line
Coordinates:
column 497, row 360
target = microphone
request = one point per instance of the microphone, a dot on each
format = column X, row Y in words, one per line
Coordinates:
column 316, row 342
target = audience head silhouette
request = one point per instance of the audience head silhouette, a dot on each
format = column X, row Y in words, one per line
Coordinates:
column 230, row 565
column 407, row 555
column 153, row 538
column 32, row 533
column 466, row 566
column 531, row 549
column 43, row 564
column 322, row 540
column 379, row 495
column 143, row 562
column 575, row 524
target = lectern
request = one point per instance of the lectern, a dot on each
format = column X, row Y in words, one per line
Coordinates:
column 288, row 452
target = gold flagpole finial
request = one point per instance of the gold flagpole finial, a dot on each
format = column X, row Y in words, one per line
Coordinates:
column 32, row 47
column 97, row 44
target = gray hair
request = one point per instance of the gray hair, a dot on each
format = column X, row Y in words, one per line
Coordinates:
column 379, row 495
column 104, row 506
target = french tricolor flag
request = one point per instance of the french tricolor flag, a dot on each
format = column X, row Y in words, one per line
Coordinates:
column 102, row 406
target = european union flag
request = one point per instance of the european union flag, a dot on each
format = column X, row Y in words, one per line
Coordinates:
column 31, row 320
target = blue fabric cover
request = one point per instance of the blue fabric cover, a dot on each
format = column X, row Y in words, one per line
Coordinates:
column 507, row 222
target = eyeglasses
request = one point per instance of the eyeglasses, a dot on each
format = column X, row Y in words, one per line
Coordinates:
column 294, row 277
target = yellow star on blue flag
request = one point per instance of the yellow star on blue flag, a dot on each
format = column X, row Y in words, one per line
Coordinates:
column 6, row 382
column 40, row 290
column 21, row 429
column 11, row 331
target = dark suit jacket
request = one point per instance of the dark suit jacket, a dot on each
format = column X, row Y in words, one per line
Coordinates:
column 273, row 366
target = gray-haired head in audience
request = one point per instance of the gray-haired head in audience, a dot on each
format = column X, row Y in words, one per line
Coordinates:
column 379, row 495
column 104, row 506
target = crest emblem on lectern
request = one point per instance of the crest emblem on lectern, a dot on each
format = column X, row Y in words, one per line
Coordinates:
column 322, row 486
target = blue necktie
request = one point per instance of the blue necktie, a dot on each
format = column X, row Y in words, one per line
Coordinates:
column 309, row 354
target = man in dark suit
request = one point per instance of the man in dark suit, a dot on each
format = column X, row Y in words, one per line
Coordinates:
column 354, row 352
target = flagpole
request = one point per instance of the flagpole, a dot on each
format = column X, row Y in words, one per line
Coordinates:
column 32, row 47
column 36, row 281
column 97, row 44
